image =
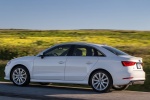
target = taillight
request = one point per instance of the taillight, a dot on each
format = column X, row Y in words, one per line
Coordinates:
column 128, row 63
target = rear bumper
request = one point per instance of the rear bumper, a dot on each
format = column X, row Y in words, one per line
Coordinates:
column 136, row 82
column 136, row 77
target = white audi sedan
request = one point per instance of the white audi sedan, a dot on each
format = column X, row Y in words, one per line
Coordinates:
column 100, row 66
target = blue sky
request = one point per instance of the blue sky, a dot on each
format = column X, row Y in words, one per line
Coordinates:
column 75, row 14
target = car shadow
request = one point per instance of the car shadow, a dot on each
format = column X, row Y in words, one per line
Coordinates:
column 50, row 92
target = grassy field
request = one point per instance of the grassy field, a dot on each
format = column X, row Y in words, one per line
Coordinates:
column 47, row 38
column 15, row 43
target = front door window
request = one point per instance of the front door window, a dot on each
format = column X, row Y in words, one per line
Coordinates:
column 58, row 51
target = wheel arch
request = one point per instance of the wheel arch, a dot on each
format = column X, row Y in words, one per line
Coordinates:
column 98, row 70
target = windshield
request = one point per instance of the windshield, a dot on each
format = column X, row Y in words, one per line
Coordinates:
column 114, row 50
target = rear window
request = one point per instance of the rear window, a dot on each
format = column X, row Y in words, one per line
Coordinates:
column 114, row 50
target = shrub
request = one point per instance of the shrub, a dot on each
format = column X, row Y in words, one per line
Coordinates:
column 39, row 42
column 10, row 52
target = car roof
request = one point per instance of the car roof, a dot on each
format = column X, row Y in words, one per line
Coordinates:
column 80, row 43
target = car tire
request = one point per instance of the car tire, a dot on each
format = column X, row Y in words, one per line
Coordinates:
column 101, row 81
column 42, row 83
column 120, row 87
column 20, row 76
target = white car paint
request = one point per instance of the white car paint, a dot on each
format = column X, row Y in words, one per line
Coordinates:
column 77, row 70
column 49, row 68
column 78, row 67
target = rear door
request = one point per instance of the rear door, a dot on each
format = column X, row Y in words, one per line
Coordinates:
column 83, row 58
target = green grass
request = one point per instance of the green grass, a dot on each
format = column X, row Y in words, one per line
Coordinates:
column 2, row 67
column 15, row 43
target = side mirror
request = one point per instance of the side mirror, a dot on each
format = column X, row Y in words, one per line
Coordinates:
column 42, row 56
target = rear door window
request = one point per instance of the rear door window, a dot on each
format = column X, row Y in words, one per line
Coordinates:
column 81, row 50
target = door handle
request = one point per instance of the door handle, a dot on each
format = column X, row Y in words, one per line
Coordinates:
column 89, row 63
column 60, row 62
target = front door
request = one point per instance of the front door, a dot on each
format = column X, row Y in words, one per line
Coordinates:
column 52, row 65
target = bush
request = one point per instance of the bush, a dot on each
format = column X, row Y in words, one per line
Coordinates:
column 39, row 42
column 10, row 52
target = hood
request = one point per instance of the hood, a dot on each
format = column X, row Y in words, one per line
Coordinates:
column 26, row 58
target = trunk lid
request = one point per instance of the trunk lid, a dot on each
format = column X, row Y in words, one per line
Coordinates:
column 138, row 61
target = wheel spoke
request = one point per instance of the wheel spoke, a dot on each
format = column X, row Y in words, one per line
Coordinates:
column 99, row 74
column 105, row 79
column 16, row 72
column 104, row 82
column 95, row 80
column 100, row 87
column 103, row 75
column 15, row 78
column 96, row 83
column 95, row 76
column 21, row 80
column 19, row 70
column 23, row 74
column 103, row 85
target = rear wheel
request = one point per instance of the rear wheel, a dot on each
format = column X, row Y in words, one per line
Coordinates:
column 20, row 76
column 101, row 81
column 120, row 87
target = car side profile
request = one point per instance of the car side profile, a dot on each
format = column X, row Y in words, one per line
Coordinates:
column 100, row 66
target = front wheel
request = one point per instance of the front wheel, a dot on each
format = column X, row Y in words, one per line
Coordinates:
column 120, row 87
column 20, row 76
column 101, row 81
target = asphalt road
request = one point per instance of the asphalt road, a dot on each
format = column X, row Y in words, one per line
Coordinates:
column 12, row 98
column 37, row 92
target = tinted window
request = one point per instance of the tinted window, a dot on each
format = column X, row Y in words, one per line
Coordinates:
column 58, row 51
column 86, row 51
column 114, row 50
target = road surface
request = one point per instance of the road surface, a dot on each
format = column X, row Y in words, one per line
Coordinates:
column 37, row 92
